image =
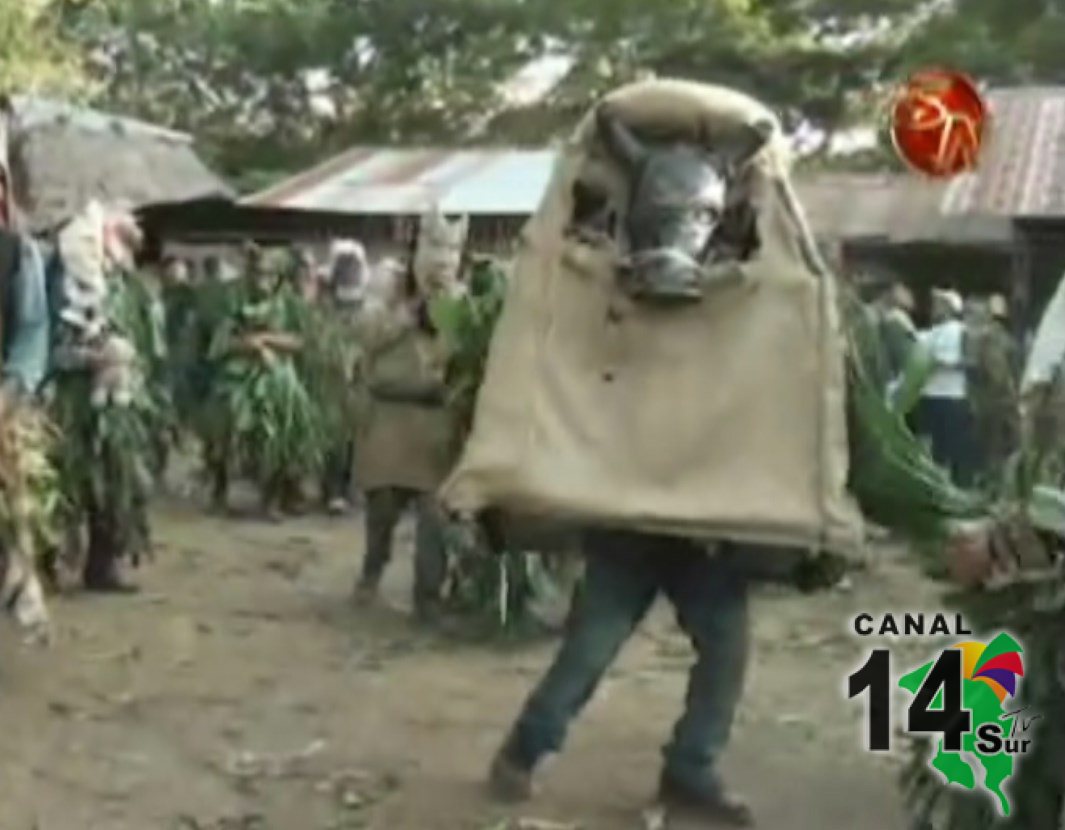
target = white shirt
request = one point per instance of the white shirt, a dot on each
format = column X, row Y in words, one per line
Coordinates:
column 944, row 342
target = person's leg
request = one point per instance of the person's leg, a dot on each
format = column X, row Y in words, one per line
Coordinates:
column 430, row 557
column 104, row 550
column 347, row 471
column 292, row 495
column 216, row 460
column 329, row 476
column 384, row 506
column 968, row 450
column 271, row 492
column 336, row 479
column 710, row 596
column 620, row 584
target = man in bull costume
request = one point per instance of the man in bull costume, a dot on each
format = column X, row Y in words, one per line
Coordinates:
column 678, row 198
column 406, row 447
column 582, row 320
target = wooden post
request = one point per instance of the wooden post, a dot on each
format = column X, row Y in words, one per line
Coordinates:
column 1020, row 280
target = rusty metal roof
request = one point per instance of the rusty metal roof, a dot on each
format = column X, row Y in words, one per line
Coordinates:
column 371, row 181
column 890, row 207
column 494, row 182
column 1021, row 171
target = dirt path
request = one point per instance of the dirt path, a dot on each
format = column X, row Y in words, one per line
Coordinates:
column 241, row 691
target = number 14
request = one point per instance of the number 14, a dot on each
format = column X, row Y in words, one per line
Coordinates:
column 948, row 719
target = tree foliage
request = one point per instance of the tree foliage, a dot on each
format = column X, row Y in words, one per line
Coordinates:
column 271, row 85
column 34, row 56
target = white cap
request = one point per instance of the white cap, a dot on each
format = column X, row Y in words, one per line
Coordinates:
column 952, row 299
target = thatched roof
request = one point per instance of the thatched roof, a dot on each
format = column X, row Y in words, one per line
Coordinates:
column 63, row 156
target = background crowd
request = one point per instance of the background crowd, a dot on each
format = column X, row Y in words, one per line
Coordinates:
column 966, row 362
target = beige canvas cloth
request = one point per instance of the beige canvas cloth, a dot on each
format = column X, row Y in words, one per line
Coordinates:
column 402, row 444
column 723, row 420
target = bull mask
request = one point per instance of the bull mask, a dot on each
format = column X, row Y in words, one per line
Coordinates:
column 678, row 194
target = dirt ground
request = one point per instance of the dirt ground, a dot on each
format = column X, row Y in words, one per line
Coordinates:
column 240, row 689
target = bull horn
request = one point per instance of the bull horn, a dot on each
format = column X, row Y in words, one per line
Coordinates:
column 620, row 141
column 744, row 143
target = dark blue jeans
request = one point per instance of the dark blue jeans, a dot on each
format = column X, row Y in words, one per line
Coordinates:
column 950, row 426
column 625, row 572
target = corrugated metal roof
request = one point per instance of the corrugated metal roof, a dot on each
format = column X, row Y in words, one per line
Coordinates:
column 364, row 181
column 406, row 182
column 1021, row 174
column 898, row 208
column 1021, row 171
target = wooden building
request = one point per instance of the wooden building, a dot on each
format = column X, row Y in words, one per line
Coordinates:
column 1021, row 178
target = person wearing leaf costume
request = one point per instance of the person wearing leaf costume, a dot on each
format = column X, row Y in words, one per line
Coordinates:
column 993, row 383
column 178, row 296
column 140, row 305
column 215, row 300
column 263, row 418
column 346, row 279
column 26, row 476
column 100, row 399
column 406, row 446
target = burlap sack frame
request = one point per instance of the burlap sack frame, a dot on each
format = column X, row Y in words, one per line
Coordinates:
column 525, row 454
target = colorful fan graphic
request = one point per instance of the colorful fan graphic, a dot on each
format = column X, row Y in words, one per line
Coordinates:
column 998, row 664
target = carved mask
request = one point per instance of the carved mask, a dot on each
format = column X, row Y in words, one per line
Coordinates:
column 678, row 193
column 438, row 253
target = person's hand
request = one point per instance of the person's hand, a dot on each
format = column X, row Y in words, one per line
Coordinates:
column 281, row 341
column 970, row 560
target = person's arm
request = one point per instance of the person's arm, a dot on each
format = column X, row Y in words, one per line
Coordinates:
column 26, row 362
column 281, row 341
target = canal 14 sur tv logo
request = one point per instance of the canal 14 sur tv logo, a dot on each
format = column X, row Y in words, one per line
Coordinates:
column 962, row 695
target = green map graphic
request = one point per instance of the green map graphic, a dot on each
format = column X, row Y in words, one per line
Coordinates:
column 978, row 698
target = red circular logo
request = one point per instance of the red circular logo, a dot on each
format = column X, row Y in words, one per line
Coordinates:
column 938, row 122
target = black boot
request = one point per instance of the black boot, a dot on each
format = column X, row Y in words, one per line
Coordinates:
column 510, row 778
column 101, row 562
column 366, row 589
column 706, row 800
column 219, row 488
column 102, row 573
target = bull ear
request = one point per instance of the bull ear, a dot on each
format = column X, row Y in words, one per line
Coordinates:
column 620, row 141
column 741, row 145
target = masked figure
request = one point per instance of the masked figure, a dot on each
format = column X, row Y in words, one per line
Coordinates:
column 670, row 229
column 214, row 302
column 101, row 400
column 260, row 415
column 439, row 252
column 406, row 447
column 993, row 382
column 346, row 281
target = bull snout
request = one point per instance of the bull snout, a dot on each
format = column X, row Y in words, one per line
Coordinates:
column 665, row 277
